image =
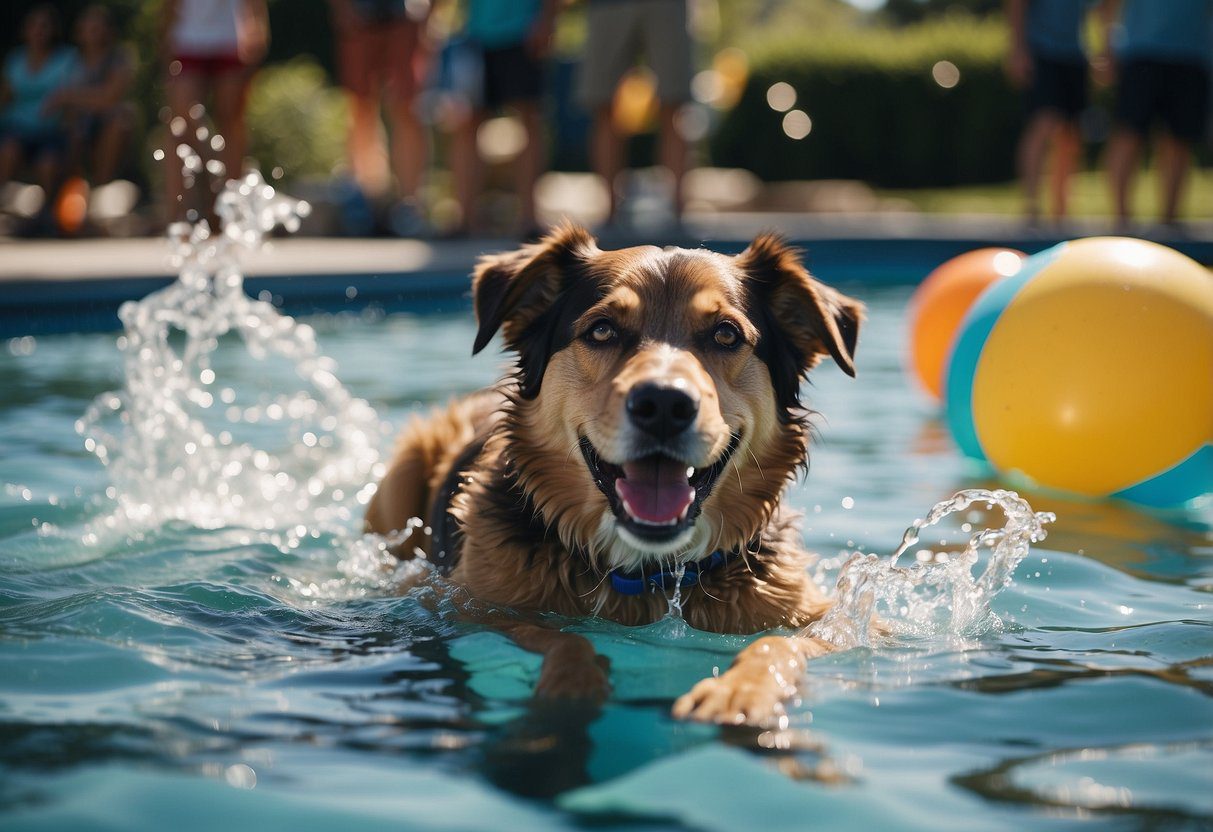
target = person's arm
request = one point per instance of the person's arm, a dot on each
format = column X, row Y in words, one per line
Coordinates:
column 97, row 98
column 1019, row 58
column 343, row 14
column 6, row 89
column 169, row 11
column 539, row 41
column 1103, row 64
column 253, row 32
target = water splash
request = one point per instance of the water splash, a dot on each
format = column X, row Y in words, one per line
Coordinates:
column 672, row 624
column 181, row 445
column 939, row 595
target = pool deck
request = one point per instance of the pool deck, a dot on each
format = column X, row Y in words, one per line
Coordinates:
column 52, row 286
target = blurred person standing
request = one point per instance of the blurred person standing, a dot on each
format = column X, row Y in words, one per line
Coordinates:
column 615, row 31
column 513, row 38
column 1161, row 65
column 382, row 55
column 31, row 129
column 100, row 117
column 212, row 49
column 1047, row 61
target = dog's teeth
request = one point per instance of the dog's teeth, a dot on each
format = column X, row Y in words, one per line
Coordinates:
column 683, row 515
column 627, row 507
column 690, row 473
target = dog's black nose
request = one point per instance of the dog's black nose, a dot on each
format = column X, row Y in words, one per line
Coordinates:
column 660, row 410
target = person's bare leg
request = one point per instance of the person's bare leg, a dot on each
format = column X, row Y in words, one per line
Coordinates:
column 1174, row 162
column 1030, row 158
column 10, row 160
column 606, row 151
column 231, row 96
column 48, row 175
column 408, row 146
column 182, row 91
column 1123, row 151
column 111, row 143
column 530, row 164
column 1067, row 148
column 466, row 169
column 365, row 146
column 674, row 153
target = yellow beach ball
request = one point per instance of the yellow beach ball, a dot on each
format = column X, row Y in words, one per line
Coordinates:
column 1091, row 371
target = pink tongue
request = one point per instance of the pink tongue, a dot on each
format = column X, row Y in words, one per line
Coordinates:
column 655, row 489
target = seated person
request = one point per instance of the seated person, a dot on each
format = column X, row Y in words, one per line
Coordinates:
column 100, row 119
column 31, row 131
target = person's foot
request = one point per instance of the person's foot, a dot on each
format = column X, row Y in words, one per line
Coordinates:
column 1171, row 229
column 405, row 220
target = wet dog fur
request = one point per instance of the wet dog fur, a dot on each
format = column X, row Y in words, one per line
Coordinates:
column 528, row 485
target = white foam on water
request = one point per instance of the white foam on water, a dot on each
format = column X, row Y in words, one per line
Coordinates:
column 938, row 595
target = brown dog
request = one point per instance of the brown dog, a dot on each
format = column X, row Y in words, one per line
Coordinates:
column 653, row 421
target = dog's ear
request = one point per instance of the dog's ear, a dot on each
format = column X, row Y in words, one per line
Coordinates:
column 808, row 319
column 519, row 292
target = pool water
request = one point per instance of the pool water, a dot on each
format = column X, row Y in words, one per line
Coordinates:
column 201, row 676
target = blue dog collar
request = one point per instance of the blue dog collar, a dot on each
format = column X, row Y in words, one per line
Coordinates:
column 664, row 579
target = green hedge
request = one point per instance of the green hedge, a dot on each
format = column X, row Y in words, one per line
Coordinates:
column 877, row 113
column 296, row 120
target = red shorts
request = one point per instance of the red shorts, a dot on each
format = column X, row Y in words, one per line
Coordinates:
column 387, row 57
column 208, row 65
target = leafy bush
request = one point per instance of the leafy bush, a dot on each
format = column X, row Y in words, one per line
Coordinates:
column 296, row 120
column 877, row 112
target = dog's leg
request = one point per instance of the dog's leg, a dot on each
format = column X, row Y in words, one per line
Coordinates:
column 571, row 668
column 763, row 676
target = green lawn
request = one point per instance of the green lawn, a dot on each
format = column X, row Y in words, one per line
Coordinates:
column 1090, row 197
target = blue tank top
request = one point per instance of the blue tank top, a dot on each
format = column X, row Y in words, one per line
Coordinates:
column 499, row 23
column 31, row 88
column 1054, row 28
column 1166, row 30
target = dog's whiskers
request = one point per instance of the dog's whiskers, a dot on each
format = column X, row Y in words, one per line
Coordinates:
column 595, row 587
column 699, row 583
column 757, row 464
column 737, row 471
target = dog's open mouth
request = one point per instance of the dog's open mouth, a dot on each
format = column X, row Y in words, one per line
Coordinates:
column 655, row 497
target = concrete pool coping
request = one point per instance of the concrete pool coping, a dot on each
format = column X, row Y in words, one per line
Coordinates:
column 77, row 285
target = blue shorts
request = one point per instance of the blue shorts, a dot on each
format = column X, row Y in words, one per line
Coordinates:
column 1059, row 86
column 1176, row 94
column 35, row 143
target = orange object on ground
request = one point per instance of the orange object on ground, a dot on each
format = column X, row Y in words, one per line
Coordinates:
column 71, row 207
column 939, row 305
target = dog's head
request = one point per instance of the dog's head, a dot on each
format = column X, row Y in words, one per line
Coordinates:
column 657, row 412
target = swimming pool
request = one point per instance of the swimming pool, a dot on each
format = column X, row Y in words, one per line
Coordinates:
column 202, row 676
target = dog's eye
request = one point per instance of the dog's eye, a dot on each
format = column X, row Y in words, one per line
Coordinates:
column 603, row 332
column 727, row 335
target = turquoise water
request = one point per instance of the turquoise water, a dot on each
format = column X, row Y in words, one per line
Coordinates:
column 198, row 677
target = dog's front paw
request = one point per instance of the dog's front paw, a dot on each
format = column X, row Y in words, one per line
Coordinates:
column 586, row 679
column 738, row 697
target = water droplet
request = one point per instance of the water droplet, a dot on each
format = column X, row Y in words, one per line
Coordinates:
column 240, row 776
